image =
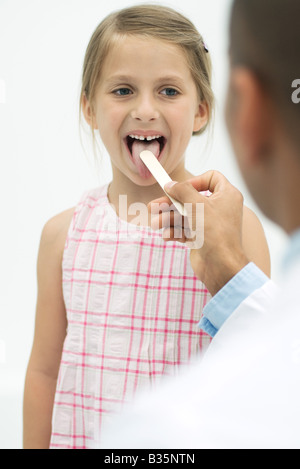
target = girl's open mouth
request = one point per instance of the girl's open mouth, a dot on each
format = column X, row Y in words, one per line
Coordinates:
column 137, row 143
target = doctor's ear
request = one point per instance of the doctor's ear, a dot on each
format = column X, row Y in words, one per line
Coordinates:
column 249, row 113
column 88, row 112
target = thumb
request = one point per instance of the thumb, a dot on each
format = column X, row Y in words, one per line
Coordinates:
column 184, row 192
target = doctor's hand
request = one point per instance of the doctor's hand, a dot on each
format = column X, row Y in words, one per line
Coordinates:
column 212, row 227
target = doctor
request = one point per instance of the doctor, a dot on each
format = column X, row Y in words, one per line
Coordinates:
column 244, row 393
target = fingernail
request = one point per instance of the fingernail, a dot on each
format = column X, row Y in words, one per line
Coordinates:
column 169, row 185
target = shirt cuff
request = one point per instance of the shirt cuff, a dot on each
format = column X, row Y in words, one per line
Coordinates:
column 227, row 300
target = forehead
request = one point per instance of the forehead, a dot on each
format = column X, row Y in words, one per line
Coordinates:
column 145, row 57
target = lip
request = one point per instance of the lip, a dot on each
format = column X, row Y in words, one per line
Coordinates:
column 145, row 133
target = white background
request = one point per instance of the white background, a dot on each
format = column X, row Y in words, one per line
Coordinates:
column 44, row 169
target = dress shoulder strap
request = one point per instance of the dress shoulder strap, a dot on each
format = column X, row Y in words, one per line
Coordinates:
column 86, row 204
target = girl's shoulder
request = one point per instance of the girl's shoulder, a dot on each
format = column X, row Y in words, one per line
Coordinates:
column 55, row 231
column 255, row 242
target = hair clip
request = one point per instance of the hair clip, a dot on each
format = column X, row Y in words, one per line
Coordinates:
column 205, row 48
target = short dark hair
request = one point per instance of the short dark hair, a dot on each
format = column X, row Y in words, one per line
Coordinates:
column 265, row 37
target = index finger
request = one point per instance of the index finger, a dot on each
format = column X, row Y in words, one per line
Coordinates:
column 162, row 204
column 212, row 181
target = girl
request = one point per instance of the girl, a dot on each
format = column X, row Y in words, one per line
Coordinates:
column 118, row 307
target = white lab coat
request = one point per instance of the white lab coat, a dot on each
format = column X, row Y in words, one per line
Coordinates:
column 244, row 393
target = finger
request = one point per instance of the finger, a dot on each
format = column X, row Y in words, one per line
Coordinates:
column 185, row 193
column 179, row 234
column 167, row 219
column 174, row 234
column 188, row 192
column 211, row 181
column 163, row 204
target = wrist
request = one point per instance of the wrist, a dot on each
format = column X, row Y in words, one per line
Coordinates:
column 220, row 270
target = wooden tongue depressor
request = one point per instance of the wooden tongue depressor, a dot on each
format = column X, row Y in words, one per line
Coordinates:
column 161, row 176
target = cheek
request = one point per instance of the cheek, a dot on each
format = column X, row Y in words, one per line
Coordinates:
column 185, row 127
column 183, row 119
column 109, row 120
column 106, row 116
column 108, row 110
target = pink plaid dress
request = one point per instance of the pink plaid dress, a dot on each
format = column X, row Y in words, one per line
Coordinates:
column 133, row 304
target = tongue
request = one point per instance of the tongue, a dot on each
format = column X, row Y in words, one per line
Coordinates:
column 137, row 148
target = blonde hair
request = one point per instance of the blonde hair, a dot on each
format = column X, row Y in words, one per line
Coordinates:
column 151, row 21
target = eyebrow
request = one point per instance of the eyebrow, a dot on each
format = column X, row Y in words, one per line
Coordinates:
column 129, row 78
column 121, row 78
column 172, row 79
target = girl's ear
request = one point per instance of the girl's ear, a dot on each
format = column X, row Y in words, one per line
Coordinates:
column 87, row 110
column 201, row 116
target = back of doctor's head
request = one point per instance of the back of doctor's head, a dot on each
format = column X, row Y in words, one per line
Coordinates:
column 265, row 37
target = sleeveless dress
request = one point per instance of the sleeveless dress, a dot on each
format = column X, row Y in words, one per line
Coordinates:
column 133, row 306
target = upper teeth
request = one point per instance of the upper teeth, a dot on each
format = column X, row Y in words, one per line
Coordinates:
column 139, row 137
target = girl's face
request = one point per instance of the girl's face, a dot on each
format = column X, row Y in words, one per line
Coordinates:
column 146, row 99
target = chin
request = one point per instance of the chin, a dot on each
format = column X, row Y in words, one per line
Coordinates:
column 145, row 182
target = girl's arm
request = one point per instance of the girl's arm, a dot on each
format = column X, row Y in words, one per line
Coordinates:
column 50, row 331
column 254, row 241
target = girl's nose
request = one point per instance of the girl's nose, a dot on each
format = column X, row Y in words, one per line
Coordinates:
column 145, row 109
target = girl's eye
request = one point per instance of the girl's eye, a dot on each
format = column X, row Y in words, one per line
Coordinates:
column 122, row 92
column 170, row 92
